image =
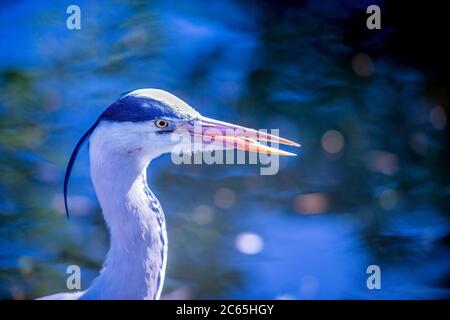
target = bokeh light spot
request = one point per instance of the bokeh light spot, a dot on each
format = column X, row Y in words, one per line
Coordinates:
column 312, row 203
column 382, row 161
column 419, row 143
column 388, row 199
column 438, row 118
column 26, row 265
column 285, row 297
column 224, row 198
column 17, row 293
column 249, row 243
column 332, row 141
column 203, row 215
column 362, row 65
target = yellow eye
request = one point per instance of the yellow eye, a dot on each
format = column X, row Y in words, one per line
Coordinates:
column 161, row 123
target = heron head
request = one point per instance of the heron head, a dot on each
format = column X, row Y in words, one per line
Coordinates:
column 146, row 123
column 143, row 123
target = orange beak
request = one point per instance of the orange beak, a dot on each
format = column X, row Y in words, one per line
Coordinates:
column 233, row 136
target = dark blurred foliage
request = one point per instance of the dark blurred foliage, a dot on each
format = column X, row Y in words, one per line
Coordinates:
column 370, row 107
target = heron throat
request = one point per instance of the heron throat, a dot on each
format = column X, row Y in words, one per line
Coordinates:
column 136, row 261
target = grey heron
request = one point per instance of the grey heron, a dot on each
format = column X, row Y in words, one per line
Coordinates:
column 138, row 127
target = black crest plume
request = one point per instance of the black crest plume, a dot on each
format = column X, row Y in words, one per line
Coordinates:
column 72, row 159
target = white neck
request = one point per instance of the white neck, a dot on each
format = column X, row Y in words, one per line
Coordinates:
column 135, row 265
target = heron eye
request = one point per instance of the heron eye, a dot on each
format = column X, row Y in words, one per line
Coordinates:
column 161, row 123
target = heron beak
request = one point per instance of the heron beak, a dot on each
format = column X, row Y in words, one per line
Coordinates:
column 237, row 137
